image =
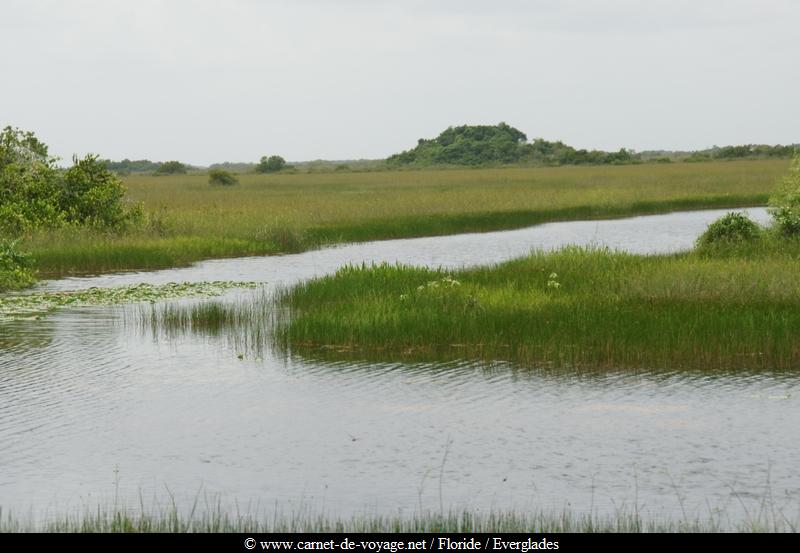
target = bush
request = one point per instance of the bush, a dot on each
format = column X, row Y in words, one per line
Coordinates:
column 171, row 168
column 271, row 164
column 785, row 202
column 729, row 229
column 29, row 184
column 94, row 196
column 15, row 267
column 34, row 193
column 222, row 177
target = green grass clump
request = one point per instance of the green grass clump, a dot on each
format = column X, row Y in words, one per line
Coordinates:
column 221, row 177
column 245, row 323
column 186, row 220
column 573, row 308
column 730, row 229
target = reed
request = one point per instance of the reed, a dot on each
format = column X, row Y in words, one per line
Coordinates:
column 729, row 308
column 171, row 520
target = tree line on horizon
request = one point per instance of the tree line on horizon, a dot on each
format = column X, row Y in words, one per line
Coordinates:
column 473, row 146
column 267, row 164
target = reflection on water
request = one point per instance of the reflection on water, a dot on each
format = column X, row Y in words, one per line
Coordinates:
column 92, row 406
column 29, row 334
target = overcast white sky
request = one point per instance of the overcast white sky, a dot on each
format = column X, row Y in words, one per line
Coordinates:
column 205, row 81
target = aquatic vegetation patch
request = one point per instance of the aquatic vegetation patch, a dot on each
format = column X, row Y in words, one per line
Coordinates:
column 245, row 324
column 41, row 303
column 576, row 307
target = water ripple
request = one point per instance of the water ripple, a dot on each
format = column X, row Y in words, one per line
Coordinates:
column 86, row 400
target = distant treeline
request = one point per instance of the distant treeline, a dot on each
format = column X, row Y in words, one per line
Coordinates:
column 471, row 145
column 132, row 166
column 234, row 167
column 127, row 166
column 315, row 166
column 743, row 151
column 475, row 145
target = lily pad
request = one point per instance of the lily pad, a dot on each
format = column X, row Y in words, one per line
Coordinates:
column 37, row 304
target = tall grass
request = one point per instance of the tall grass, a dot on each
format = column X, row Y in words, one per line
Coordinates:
column 188, row 220
column 171, row 520
column 709, row 309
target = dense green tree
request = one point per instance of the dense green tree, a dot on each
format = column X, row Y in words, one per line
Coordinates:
column 34, row 193
column 127, row 166
column 22, row 148
column 15, row 267
column 271, row 164
column 466, row 145
column 29, row 184
column 500, row 144
column 785, row 201
column 92, row 195
column 172, row 168
column 503, row 144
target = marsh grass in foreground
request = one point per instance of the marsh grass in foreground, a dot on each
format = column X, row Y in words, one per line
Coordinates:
column 714, row 308
column 172, row 521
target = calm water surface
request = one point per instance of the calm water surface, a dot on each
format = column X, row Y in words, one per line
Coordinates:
column 93, row 409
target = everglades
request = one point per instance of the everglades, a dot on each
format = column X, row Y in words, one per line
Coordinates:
column 396, row 267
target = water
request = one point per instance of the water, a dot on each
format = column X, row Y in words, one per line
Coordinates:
column 94, row 411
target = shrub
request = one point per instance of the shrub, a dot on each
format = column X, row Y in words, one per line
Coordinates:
column 697, row 157
column 15, row 267
column 94, row 196
column 271, row 164
column 222, row 178
column 730, row 229
column 29, row 183
column 171, row 168
column 34, row 193
column 785, row 202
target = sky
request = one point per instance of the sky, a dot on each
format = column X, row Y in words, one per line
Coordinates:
column 205, row 81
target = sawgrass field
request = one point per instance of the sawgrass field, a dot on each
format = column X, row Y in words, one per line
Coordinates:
column 187, row 219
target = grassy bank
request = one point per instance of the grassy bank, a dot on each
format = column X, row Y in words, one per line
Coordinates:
column 189, row 220
column 733, row 308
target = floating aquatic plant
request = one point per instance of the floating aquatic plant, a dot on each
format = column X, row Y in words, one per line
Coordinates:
column 39, row 303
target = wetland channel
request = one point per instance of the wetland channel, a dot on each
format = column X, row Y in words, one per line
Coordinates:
column 94, row 411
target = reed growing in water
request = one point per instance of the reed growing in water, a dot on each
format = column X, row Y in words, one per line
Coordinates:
column 729, row 306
